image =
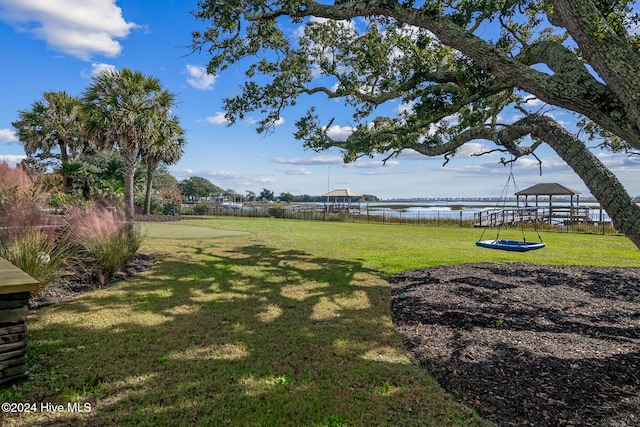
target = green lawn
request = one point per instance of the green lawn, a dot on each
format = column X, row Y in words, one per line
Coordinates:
column 258, row 322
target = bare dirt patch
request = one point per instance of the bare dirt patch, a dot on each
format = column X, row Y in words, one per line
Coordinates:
column 528, row 344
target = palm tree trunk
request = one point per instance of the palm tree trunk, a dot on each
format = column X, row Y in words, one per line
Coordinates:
column 64, row 159
column 147, row 196
column 129, row 207
column 130, row 163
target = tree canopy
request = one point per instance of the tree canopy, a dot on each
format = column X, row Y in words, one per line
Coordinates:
column 266, row 195
column 458, row 69
column 54, row 122
column 198, row 187
column 123, row 112
column 129, row 112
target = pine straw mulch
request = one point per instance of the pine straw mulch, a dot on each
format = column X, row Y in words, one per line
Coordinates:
column 528, row 344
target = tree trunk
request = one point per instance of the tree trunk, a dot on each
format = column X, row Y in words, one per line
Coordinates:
column 67, row 180
column 129, row 207
column 612, row 56
column 603, row 184
column 147, row 196
column 130, row 163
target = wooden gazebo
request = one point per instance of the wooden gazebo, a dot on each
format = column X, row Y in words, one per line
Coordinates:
column 341, row 200
column 545, row 193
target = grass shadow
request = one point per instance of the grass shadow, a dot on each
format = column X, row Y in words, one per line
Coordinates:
column 232, row 335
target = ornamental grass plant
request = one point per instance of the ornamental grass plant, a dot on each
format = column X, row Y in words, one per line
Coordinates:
column 37, row 252
column 103, row 242
column 88, row 240
column 21, row 202
column 26, row 241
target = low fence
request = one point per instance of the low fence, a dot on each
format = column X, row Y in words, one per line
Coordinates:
column 594, row 221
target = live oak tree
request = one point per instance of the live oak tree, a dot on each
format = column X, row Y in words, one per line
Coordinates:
column 196, row 188
column 266, row 195
column 459, row 68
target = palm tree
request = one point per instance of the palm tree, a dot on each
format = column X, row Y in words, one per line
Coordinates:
column 125, row 109
column 168, row 149
column 53, row 122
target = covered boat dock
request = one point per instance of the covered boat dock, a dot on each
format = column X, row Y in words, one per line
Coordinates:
column 537, row 204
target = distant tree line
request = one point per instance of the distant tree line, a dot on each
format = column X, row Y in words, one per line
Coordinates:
column 197, row 188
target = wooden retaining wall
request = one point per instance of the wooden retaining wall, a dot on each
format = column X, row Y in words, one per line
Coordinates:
column 15, row 289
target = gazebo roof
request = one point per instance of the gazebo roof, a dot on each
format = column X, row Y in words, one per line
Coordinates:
column 549, row 189
column 342, row 192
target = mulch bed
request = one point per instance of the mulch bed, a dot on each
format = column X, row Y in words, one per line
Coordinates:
column 70, row 287
column 528, row 344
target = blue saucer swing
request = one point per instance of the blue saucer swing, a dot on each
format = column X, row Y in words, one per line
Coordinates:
column 510, row 245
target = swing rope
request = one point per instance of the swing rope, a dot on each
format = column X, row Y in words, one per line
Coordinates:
column 503, row 198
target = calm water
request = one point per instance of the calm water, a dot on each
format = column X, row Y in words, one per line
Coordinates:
column 464, row 210
column 442, row 209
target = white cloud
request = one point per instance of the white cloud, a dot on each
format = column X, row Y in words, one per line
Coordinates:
column 97, row 68
column 222, row 174
column 410, row 154
column 183, row 172
column 528, row 162
column 7, row 136
column 217, row 119
column 252, row 121
column 317, row 160
column 378, row 172
column 199, row 78
column 619, row 161
column 471, row 149
column 374, row 164
column 81, row 28
column 11, row 159
column 532, row 101
column 225, row 179
column 295, row 171
column 405, row 107
column 340, row 133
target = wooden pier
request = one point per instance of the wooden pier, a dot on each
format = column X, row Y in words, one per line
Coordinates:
column 510, row 216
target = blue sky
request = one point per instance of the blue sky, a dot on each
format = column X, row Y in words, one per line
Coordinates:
column 47, row 48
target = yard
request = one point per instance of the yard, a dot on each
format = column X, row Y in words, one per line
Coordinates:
column 261, row 322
